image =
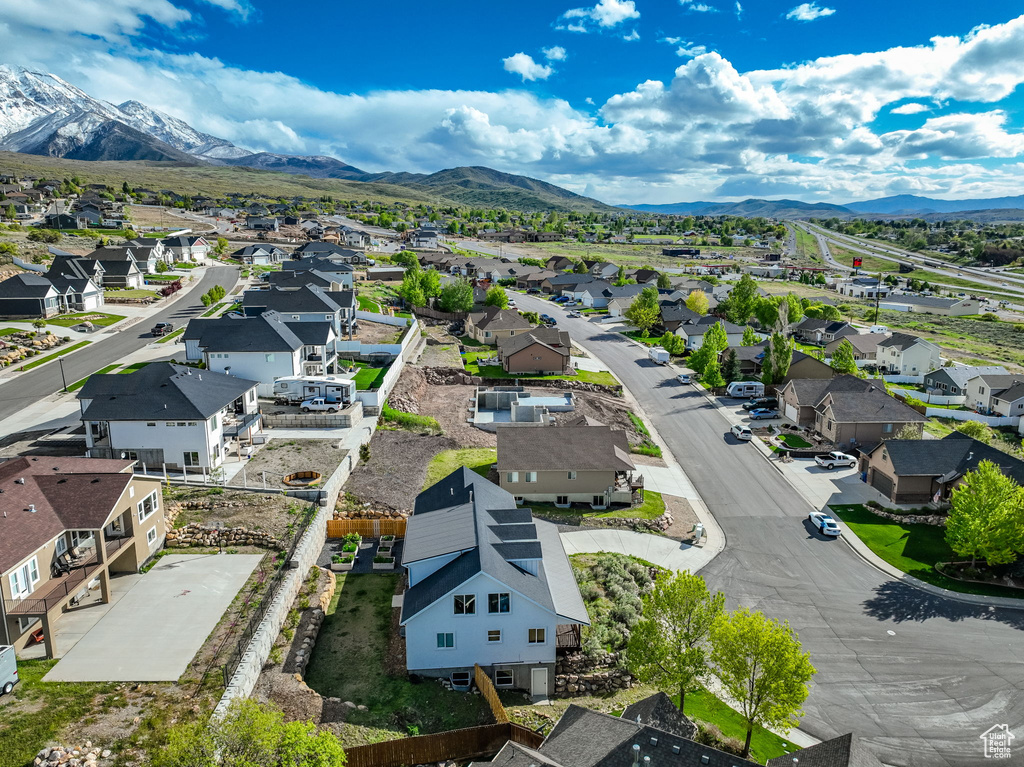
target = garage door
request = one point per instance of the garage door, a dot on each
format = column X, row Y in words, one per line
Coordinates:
column 791, row 412
column 881, row 483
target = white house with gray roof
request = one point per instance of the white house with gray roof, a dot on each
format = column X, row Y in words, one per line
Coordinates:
column 168, row 415
column 907, row 355
column 488, row 585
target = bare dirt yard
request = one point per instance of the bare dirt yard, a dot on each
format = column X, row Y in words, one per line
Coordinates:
column 280, row 457
column 393, row 476
column 609, row 410
column 235, row 508
column 376, row 333
column 442, row 350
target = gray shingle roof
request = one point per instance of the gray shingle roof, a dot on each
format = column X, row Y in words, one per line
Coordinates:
column 871, row 406
column 838, row 752
column 900, row 341
column 464, row 514
column 552, row 338
column 569, row 448
column 811, row 391
column 309, row 298
column 961, row 374
column 954, row 454
column 263, row 333
column 493, row 318
column 25, row 285
column 1013, row 393
column 161, row 391
column 659, row 711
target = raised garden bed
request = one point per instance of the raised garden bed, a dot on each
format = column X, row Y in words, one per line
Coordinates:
column 383, row 563
column 343, row 563
column 303, row 479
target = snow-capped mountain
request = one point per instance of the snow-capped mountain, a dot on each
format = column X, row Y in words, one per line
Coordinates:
column 42, row 114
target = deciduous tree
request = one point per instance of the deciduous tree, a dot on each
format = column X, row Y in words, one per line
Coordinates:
column 986, row 516
column 742, row 300
column 843, row 359
column 697, row 301
column 749, row 337
column 777, row 359
column 456, row 296
column 762, row 667
column 712, row 377
column 976, row 430
column 664, row 281
column 644, row 312
column 496, row 296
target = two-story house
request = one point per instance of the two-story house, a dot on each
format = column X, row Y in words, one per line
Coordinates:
column 488, row 585
column 568, row 464
column 125, row 265
column 865, row 347
column 952, row 381
column 692, row 330
column 168, row 415
column 983, row 390
column 851, row 418
column 194, row 248
column 907, row 355
column 27, row 294
column 69, row 523
column 493, row 324
column 309, row 303
column 260, row 255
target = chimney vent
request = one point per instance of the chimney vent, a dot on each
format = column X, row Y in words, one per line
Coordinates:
column 20, row 481
column 32, row 508
column 636, row 754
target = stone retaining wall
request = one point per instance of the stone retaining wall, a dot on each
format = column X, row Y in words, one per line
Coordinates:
column 309, row 629
column 343, row 420
column 579, row 674
column 937, row 520
column 73, row 756
column 659, row 524
column 195, row 534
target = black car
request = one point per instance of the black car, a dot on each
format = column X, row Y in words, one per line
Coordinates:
column 162, row 328
column 763, row 402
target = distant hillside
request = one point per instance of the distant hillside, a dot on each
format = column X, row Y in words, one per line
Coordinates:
column 909, row 204
column 314, row 166
column 748, row 209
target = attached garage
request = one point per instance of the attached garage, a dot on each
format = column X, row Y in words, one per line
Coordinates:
column 791, row 413
column 881, row 483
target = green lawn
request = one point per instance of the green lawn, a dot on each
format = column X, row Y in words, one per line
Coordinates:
column 134, row 293
column 444, row 463
column 79, row 384
column 49, row 358
column 794, row 440
column 10, row 331
column 350, row 659
column 764, row 744
column 133, row 367
column 39, row 712
column 367, row 305
column 807, row 245
column 171, row 336
column 369, row 378
column 653, row 506
column 100, row 319
column 636, row 335
column 914, row 549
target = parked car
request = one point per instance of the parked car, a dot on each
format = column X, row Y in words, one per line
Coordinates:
column 739, row 431
column 8, row 670
column 533, row 291
column 763, row 414
column 762, row 402
column 825, row 524
column 162, row 328
column 685, row 378
column 511, row 304
column 574, row 314
column 319, row 404
column 560, row 299
column 835, row 458
column 546, row 318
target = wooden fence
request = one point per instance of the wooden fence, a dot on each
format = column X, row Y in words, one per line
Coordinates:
column 457, row 745
column 367, row 528
column 437, row 314
column 486, row 687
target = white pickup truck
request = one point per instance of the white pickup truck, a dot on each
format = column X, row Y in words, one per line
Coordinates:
column 320, row 405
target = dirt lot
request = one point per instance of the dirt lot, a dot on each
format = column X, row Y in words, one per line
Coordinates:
column 442, row 350
column 280, row 457
column 376, row 333
column 255, row 511
column 609, row 410
column 397, row 467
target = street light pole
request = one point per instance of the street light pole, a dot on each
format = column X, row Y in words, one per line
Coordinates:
column 878, row 292
column 62, row 378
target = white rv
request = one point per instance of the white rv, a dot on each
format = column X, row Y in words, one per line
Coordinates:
column 296, row 389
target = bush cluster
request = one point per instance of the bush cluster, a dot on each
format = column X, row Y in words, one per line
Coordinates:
column 612, row 586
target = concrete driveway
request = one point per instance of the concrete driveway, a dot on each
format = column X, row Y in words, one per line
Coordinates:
column 154, row 630
column 826, row 486
column 656, row 549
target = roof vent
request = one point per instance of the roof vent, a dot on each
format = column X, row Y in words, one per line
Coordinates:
column 675, row 749
column 636, row 754
column 32, row 508
column 705, row 759
column 654, row 741
column 19, row 481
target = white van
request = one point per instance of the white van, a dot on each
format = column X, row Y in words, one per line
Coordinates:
column 8, row 669
column 745, row 389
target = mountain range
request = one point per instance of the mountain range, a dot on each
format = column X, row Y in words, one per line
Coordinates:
column 41, row 114
column 899, row 206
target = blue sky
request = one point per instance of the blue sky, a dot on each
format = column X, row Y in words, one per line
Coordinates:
column 626, row 100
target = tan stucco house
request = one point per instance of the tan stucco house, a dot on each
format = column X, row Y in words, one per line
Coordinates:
column 848, row 419
column 493, row 324
column 541, row 351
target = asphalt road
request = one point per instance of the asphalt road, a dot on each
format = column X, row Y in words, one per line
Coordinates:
column 918, row 678
column 46, row 379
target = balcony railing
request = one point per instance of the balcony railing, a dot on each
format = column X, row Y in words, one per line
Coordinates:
column 59, row 590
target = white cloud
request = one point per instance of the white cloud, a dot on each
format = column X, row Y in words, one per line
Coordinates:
column 671, row 40
column 109, row 21
column 606, row 14
column 739, row 10
column 958, row 137
column 241, row 7
column 690, row 50
column 522, row 64
column 632, row 36
column 912, row 108
column 696, row 7
column 809, row 12
column 555, row 53
column 589, row 100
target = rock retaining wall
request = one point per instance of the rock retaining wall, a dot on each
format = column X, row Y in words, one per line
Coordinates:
column 76, row 756
column 195, row 534
column 455, row 376
column 659, row 524
column 937, row 520
column 579, row 674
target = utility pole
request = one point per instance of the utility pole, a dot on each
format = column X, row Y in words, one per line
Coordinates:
column 878, row 291
column 62, row 378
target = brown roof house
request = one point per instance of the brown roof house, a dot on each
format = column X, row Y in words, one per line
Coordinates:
column 567, row 465
column 915, row 471
column 69, row 522
column 799, row 397
column 847, row 419
column 541, row 351
column 751, row 359
column 493, row 324
column 865, row 347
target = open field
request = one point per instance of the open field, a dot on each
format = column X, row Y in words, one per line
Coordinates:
column 633, row 255
column 807, row 246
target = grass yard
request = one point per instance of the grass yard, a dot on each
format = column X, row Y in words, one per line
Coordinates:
column 9, row 331
column 444, row 463
column 764, row 744
column 914, row 549
column 133, row 367
column 171, row 336
column 367, row 305
column 134, row 293
column 39, row 712
column 350, row 662
column 653, row 506
column 51, row 357
column 100, row 319
column 369, row 378
column 794, row 441
column 79, row 384
column 469, row 360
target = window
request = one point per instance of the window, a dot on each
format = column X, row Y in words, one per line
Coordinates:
column 147, row 506
column 598, row 500
column 61, row 545
column 24, row 578
column 499, row 603
column 269, row 357
column 151, row 536
column 131, row 491
column 191, row 459
column 171, row 423
column 465, row 604
column 512, row 476
column 829, row 425
column 252, row 395
column 129, row 455
column 445, row 641
column 561, row 500
column 531, row 476
column 150, row 423
column 24, row 624
column 193, row 423
column 328, row 317
column 572, row 475
column 213, row 423
column 503, row 678
column 487, row 334
column 537, row 636
column 494, row 635
column 887, row 428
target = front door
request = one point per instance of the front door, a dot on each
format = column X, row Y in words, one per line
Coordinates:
column 539, row 682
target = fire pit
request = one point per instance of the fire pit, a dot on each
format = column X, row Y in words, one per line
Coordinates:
column 302, row 479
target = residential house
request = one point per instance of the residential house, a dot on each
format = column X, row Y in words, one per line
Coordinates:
column 489, row 585
column 81, row 294
column 559, row 263
column 751, row 359
column 340, row 272
column 541, row 351
column 262, row 223
column 123, row 273
column 532, row 277
column 61, row 221
column 952, row 381
column 167, row 415
column 69, row 522
column 862, row 287
column 260, row 255
column 568, row 464
column 799, row 397
column 644, row 276
column 982, row 390
column 309, row 303
column 1010, row 401
column 493, row 324
column 261, row 348
column 191, row 248
column 950, row 307
column 355, row 238
column 328, row 281
column 603, row 270
column 907, row 355
column 598, row 294
column 674, row 314
column 29, row 295
column 918, row 471
column 314, row 230
column 144, row 259
column 424, row 239
column 847, row 419
column 865, row 347
column 331, row 251
column 692, row 330
column 571, row 285
column 822, row 332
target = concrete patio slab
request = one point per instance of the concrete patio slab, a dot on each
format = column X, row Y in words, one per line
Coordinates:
column 667, row 480
column 153, row 632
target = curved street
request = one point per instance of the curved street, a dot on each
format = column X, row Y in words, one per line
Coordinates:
column 917, row 677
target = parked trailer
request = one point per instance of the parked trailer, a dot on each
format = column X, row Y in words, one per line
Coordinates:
column 745, row 389
column 292, row 390
column 659, row 355
column 8, row 669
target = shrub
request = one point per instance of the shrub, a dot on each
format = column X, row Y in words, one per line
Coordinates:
column 710, row 735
